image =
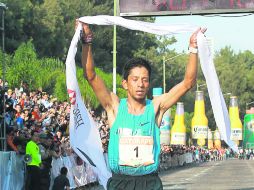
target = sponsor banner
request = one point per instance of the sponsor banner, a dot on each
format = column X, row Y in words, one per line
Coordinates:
column 199, row 132
column 183, row 7
column 84, row 135
column 178, row 138
column 236, row 134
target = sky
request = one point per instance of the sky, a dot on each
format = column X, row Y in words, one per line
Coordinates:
column 236, row 32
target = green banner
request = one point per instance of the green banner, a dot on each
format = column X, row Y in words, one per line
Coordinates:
column 248, row 136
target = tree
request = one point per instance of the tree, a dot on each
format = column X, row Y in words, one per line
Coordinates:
column 26, row 67
column 49, row 73
column 50, row 24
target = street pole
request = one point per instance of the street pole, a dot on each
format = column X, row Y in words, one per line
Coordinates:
column 3, row 138
column 164, row 75
column 114, row 50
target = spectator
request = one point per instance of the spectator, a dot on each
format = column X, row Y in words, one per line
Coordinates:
column 37, row 115
column 18, row 110
column 46, row 157
column 62, row 182
column 33, row 167
column 9, row 93
column 45, row 101
column 22, row 100
column 10, row 140
column 20, row 121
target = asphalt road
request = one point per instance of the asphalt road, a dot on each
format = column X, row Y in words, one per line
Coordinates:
column 230, row 174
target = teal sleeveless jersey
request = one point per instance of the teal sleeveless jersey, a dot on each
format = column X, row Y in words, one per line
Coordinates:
column 144, row 125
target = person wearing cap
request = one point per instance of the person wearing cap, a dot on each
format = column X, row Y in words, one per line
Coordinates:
column 134, row 145
column 33, row 167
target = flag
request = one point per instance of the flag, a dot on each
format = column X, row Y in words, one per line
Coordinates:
column 84, row 135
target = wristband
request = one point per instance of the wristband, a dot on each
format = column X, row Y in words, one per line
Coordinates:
column 86, row 39
column 193, row 50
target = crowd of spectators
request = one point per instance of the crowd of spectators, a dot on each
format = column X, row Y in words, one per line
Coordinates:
column 28, row 111
column 246, row 154
column 38, row 111
column 199, row 154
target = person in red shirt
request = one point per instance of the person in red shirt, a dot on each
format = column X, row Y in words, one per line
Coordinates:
column 18, row 110
column 37, row 115
column 22, row 100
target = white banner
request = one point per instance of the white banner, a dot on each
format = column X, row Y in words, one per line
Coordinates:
column 206, row 60
column 213, row 86
column 85, row 138
column 84, row 135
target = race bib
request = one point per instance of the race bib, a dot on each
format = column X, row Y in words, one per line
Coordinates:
column 136, row 151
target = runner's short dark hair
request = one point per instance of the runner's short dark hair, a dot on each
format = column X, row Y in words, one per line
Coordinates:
column 136, row 62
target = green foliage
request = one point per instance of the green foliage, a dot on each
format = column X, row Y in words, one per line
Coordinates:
column 6, row 60
column 17, row 19
column 26, row 67
column 49, row 73
column 87, row 92
column 187, row 119
column 50, row 24
column 60, row 90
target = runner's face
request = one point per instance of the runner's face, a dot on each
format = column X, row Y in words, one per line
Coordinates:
column 137, row 83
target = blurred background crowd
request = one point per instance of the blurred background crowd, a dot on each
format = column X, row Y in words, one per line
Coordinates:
column 38, row 111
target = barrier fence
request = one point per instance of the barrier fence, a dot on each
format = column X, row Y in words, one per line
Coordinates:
column 12, row 169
